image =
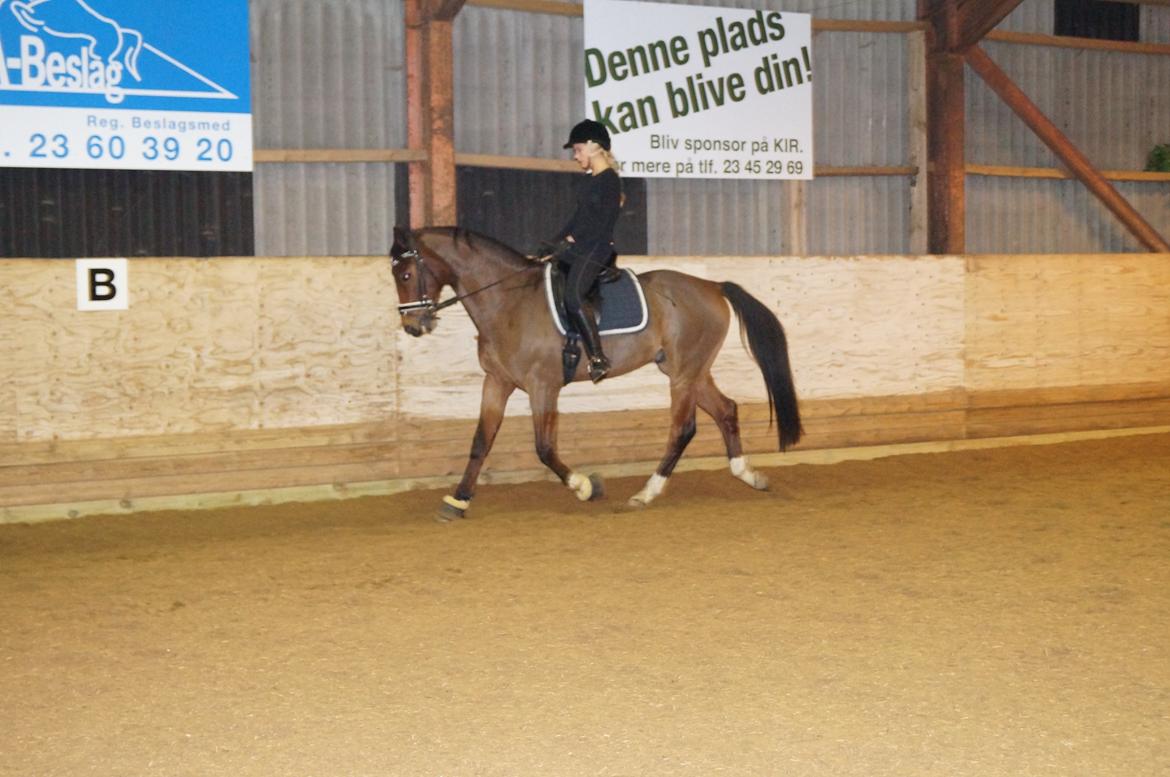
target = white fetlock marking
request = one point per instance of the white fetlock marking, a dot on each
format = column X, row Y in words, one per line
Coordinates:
column 582, row 485
column 459, row 504
column 742, row 470
column 653, row 488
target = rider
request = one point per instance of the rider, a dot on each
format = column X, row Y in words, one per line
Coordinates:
column 586, row 242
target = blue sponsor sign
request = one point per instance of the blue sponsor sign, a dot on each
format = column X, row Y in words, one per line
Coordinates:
column 125, row 84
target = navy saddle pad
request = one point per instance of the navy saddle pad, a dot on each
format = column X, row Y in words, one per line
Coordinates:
column 623, row 305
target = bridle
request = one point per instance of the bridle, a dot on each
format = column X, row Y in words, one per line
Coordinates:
column 424, row 302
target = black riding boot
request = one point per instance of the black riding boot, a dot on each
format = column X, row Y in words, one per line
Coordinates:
column 587, row 328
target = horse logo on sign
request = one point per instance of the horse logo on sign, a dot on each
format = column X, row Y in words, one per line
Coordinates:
column 67, row 47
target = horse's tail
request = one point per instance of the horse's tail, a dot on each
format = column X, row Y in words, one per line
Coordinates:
column 768, row 346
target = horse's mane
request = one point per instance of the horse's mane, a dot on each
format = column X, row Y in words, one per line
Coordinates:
column 479, row 242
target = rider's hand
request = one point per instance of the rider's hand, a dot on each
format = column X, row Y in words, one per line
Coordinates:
column 547, row 250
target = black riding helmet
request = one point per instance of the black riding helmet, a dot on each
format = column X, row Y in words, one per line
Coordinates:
column 589, row 130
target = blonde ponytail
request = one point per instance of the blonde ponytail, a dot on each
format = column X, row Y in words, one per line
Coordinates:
column 611, row 160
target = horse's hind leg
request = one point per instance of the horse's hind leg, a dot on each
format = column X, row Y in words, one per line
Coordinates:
column 491, row 415
column 682, row 430
column 726, row 415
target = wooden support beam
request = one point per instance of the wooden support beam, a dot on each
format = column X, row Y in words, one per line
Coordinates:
column 945, row 131
column 430, row 124
column 960, row 24
column 445, row 10
column 1077, row 162
column 976, row 18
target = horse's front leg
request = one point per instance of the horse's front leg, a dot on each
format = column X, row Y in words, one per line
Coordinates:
column 491, row 414
column 544, row 421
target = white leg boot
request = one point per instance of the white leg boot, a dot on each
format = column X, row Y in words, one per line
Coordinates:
column 742, row 470
column 654, row 486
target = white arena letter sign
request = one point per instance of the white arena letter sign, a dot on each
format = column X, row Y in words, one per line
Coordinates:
column 103, row 284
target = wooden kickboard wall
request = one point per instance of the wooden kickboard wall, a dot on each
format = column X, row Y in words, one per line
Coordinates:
column 234, row 374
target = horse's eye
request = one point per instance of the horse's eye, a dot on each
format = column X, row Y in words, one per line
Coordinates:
column 405, row 276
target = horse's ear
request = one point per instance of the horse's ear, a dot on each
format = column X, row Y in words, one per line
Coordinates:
column 401, row 236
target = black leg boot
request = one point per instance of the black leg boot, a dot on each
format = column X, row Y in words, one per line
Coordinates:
column 587, row 328
column 570, row 357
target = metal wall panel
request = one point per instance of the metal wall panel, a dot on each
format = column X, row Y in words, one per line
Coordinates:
column 708, row 217
column 324, row 209
column 861, row 104
column 859, row 215
column 1155, row 24
column 326, row 75
column 1015, row 215
column 519, row 81
column 48, row 212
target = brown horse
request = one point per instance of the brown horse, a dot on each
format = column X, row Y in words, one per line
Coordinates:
column 520, row 348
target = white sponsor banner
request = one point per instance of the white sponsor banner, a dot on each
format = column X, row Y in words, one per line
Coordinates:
column 701, row 92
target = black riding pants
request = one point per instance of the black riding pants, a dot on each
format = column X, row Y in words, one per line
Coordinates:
column 581, row 271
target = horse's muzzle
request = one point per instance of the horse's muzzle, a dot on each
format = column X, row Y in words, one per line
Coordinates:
column 418, row 323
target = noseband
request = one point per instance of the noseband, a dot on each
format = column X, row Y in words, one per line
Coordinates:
column 424, row 302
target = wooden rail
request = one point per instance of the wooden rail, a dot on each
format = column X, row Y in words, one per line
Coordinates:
column 1049, row 172
column 342, row 155
column 556, row 8
column 1067, row 42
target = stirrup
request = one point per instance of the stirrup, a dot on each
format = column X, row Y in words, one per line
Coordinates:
column 598, row 368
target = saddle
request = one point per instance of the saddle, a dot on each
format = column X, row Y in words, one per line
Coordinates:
column 617, row 301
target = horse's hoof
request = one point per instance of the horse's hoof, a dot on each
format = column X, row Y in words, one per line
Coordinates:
column 598, row 487
column 760, row 483
column 448, row 511
column 636, row 503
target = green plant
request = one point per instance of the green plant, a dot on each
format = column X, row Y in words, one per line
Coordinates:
column 1159, row 158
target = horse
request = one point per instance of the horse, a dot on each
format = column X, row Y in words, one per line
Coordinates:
column 520, row 348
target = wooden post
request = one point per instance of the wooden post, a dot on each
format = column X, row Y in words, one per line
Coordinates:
column 945, row 131
column 917, row 142
column 1077, row 162
column 430, row 123
column 796, row 234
